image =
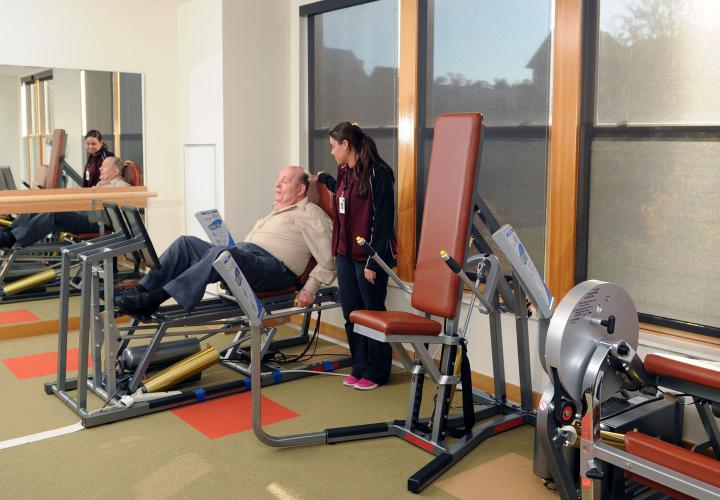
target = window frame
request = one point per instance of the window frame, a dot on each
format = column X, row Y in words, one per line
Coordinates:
column 589, row 131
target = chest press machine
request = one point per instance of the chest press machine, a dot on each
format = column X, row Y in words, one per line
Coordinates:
column 448, row 222
column 121, row 374
column 590, row 353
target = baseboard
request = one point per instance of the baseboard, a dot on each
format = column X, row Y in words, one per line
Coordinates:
column 479, row 380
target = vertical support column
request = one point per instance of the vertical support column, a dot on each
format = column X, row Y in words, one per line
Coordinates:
column 564, row 146
column 496, row 348
column 590, row 483
column 523, row 344
column 110, row 332
column 85, row 318
column 96, row 329
column 407, row 138
column 64, row 313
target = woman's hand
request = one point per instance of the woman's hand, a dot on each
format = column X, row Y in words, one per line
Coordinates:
column 370, row 275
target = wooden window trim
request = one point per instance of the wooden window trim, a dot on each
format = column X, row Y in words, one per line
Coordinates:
column 407, row 138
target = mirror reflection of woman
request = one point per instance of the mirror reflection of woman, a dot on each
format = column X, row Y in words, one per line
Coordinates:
column 97, row 152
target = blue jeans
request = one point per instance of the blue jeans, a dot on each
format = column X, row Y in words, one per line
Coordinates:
column 186, row 268
column 371, row 359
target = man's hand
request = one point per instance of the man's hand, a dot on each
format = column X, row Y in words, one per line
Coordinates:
column 370, row 275
column 304, row 298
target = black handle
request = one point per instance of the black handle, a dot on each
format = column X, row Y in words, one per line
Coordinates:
column 609, row 324
column 453, row 265
column 595, row 474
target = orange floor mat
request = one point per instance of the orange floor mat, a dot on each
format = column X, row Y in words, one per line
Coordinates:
column 40, row 365
column 17, row 316
column 231, row 414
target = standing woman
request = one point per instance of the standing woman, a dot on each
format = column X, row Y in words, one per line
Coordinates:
column 364, row 206
column 97, row 152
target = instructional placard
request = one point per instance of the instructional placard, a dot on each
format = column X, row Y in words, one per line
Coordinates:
column 215, row 228
column 239, row 287
column 507, row 240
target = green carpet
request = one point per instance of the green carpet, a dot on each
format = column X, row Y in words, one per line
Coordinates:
column 160, row 456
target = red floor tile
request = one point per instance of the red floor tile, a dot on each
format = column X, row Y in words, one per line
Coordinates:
column 17, row 316
column 40, row 365
column 231, row 414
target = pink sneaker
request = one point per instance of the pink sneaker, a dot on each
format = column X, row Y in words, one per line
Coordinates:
column 365, row 385
column 350, row 381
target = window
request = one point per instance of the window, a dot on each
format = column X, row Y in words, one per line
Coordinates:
column 493, row 56
column 36, row 102
column 352, row 74
column 648, row 217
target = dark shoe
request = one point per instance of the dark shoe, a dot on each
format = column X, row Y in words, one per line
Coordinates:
column 119, row 291
column 7, row 238
column 136, row 305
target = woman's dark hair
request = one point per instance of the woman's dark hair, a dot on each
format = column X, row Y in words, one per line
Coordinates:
column 94, row 133
column 367, row 152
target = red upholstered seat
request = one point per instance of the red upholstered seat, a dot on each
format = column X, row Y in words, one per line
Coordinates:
column 695, row 465
column 696, row 371
column 396, row 322
column 86, row 236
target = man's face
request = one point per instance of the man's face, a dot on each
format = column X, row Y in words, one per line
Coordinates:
column 107, row 171
column 288, row 189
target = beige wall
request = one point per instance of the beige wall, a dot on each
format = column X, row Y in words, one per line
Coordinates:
column 10, row 125
column 256, row 106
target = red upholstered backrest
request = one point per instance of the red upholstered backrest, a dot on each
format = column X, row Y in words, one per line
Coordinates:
column 132, row 173
column 446, row 216
column 54, row 169
column 318, row 193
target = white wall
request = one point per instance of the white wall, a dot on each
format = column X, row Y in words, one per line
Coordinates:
column 256, row 106
column 10, row 142
column 134, row 36
column 200, row 100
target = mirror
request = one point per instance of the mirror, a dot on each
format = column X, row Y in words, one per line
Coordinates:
column 35, row 102
column 45, row 114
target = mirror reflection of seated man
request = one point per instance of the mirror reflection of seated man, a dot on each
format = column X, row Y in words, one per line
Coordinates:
column 31, row 228
column 273, row 255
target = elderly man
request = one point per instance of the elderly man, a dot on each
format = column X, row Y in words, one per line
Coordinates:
column 30, row 228
column 273, row 255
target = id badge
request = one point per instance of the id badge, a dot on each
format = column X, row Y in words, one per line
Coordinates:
column 341, row 204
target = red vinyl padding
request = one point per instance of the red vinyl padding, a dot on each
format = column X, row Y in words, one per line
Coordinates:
column 57, row 151
column 695, row 465
column 696, row 371
column 447, row 211
column 132, row 173
column 396, row 322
